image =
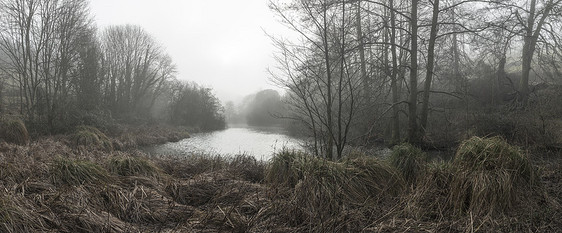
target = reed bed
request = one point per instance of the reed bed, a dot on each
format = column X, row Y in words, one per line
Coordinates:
column 49, row 186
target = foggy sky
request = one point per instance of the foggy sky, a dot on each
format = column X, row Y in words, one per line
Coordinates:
column 216, row 43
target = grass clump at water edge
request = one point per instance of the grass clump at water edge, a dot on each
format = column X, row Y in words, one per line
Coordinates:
column 489, row 173
column 409, row 160
column 319, row 189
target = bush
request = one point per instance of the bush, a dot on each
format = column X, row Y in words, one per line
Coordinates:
column 68, row 172
column 488, row 174
column 88, row 136
column 13, row 131
column 409, row 160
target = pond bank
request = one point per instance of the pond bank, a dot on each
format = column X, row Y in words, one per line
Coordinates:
column 51, row 186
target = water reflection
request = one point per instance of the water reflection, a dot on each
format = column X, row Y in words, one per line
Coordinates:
column 261, row 142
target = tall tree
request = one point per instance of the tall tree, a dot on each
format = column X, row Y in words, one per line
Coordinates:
column 413, row 135
column 533, row 30
column 430, row 65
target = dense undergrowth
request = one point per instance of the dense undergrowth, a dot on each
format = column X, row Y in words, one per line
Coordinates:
column 54, row 185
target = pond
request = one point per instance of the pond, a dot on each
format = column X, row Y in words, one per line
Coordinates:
column 260, row 142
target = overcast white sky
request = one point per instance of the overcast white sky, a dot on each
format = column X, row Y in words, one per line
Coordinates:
column 216, row 43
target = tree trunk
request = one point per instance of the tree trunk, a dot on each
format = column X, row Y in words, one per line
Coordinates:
column 429, row 68
column 530, row 42
column 394, row 76
column 330, row 124
column 413, row 100
column 366, row 89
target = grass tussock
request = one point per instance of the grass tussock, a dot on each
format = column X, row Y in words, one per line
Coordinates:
column 132, row 166
column 286, row 168
column 247, row 167
column 409, row 160
column 66, row 171
column 488, row 175
column 13, row 131
column 90, row 137
column 359, row 177
column 321, row 189
column 429, row 199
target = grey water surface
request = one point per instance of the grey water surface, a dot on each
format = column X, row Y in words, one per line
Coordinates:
column 260, row 142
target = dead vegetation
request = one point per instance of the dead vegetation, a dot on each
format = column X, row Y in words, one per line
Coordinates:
column 13, row 130
column 489, row 186
column 489, row 175
column 90, row 137
column 409, row 160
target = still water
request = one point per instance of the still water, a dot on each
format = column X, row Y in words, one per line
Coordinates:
column 261, row 142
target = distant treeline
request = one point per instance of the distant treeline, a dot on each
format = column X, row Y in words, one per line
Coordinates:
column 58, row 70
column 264, row 108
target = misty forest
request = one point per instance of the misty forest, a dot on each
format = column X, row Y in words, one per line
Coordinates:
column 381, row 116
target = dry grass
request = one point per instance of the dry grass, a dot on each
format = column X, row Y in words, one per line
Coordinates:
column 488, row 175
column 429, row 200
column 286, row 168
column 49, row 187
column 13, row 131
column 334, row 194
column 90, row 137
column 409, row 160
column 70, row 172
column 125, row 165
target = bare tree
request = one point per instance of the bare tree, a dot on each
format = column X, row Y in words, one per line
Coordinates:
column 41, row 41
column 533, row 29
column 318, row 74
column 135, row 68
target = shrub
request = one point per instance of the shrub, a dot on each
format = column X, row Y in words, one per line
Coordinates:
column 69, row 172
column 88, row 136
column 13, row 131
column 409, row 160
column 488, row 174
column 132, row 166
